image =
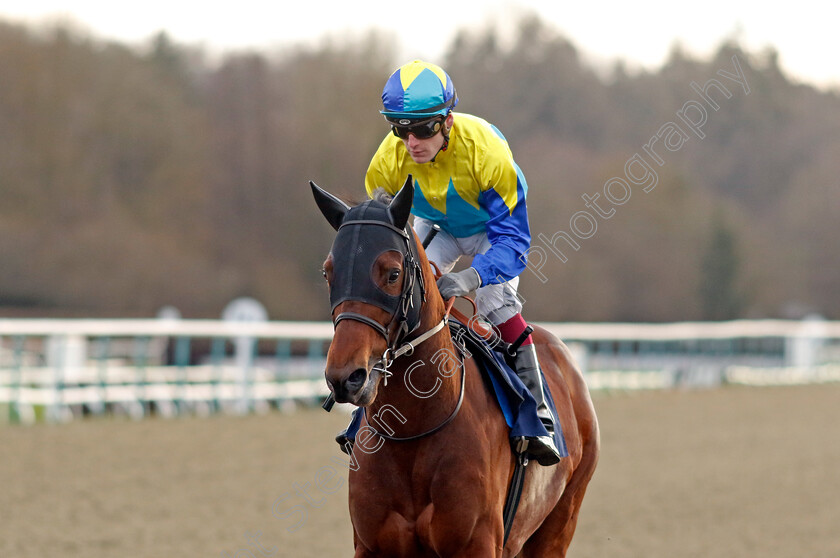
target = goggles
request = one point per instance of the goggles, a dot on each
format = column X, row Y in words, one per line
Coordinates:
column 420, row 129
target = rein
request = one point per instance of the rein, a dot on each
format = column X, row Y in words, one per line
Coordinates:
column 440, row 426
column 407, row 348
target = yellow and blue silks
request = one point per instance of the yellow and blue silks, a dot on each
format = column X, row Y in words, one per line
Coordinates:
column 474, row 186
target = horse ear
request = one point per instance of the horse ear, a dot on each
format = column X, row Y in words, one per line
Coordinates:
column 400, row 207
column 333, row 208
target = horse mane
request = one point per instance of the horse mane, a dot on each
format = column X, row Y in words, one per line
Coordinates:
column 382, row 196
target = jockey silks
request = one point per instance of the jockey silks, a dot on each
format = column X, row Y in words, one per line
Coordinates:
column 474, row 186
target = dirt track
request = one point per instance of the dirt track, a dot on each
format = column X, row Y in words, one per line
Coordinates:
column 727, row 473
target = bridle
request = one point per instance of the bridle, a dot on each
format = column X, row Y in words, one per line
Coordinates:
column 352, row 250
column 364, row 233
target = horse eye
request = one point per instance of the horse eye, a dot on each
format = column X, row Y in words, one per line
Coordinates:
column 394, row 276
column 324, row 273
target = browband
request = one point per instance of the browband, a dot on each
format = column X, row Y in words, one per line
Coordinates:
column 401, row 232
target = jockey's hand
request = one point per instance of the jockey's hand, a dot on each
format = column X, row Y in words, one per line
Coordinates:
column 459, row 283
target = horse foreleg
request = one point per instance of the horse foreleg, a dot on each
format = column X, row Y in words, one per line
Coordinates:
column 457, row 532
column 486, row 548
column 361, row 551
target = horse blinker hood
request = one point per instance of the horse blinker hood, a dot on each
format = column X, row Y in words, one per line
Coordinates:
column 365, row 232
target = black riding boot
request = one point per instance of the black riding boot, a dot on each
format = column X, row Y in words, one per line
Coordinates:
column 347, row 437
column 541, row 448
column 344, row 442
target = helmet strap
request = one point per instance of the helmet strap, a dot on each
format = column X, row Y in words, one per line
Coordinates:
column 445, row 145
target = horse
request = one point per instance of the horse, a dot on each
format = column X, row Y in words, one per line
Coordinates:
column 432, row 463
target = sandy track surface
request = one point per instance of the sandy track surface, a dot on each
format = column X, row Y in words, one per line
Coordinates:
column 723, row 473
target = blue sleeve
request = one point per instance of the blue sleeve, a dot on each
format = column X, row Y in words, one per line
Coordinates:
column 509, row 235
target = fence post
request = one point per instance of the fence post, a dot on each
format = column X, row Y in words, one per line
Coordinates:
column 182, row 360
column 803, row 349
column 245, row 310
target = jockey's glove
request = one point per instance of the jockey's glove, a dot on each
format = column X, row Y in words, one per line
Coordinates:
column 458, row 283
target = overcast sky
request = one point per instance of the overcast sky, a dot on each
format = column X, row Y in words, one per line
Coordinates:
column 641, row 32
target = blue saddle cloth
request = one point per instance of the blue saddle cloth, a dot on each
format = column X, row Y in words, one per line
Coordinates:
column 515, row 400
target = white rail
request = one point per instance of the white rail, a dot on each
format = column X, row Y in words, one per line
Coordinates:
column 60, row 368
column 324, row 330
column 743, row 329
column 167, row 328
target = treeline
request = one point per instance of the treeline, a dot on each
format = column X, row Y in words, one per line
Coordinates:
column 133, row 178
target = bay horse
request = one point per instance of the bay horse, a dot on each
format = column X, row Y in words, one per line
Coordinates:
column 432, row 462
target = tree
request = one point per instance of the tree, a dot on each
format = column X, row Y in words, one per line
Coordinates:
column 720, row 297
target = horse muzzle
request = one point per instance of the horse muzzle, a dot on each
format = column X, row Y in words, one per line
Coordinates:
column 357, row 387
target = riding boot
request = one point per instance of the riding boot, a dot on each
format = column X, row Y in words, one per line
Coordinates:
column 347, row 437
column 541, row 448
column 345, row 443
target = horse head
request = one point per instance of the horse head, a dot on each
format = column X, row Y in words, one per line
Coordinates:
column 377, row 274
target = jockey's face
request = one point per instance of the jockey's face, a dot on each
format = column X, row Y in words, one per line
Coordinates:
column 424, row 150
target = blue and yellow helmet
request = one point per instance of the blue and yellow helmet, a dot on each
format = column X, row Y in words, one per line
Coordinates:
column 418, row 90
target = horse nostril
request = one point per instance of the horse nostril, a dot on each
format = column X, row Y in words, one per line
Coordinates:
column 356, row 380
column 335, row 385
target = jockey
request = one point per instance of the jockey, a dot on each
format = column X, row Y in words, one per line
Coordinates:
column 467, row 182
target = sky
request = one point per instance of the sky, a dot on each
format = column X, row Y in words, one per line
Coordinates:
column 641, row 33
